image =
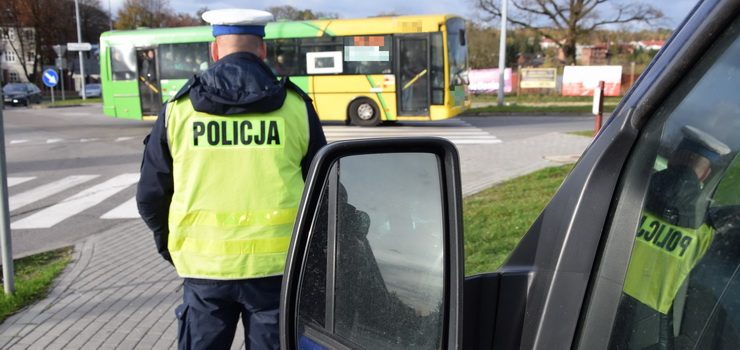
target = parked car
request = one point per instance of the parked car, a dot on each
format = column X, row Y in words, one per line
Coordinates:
column 93, row 90
column 22, row 94
column 376, row 256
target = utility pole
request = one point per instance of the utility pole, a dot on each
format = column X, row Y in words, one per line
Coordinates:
column 79, row 40
column 5, row 240
column 502, row 55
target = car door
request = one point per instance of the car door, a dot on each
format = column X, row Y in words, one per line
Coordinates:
column 377, row 269
column 631, row 252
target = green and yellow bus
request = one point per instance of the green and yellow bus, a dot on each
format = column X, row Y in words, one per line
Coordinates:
column 363, row 71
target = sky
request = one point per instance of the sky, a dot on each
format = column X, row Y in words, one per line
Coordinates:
column 675, row 10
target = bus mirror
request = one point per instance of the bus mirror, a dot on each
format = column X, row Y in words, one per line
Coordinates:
column 376, row 255
column 461, row 34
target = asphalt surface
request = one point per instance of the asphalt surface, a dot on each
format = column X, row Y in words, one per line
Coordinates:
column 119, row 294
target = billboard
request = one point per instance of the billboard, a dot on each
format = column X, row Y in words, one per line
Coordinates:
column 538, row 78
column 486, row 80
column 582, row 80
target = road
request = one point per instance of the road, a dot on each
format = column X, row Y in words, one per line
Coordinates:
column 72, row 171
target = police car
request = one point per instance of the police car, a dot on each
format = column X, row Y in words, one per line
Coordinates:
column 638, row 249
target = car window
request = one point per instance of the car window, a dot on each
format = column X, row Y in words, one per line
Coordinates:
column 681, row 282
column 13, row 88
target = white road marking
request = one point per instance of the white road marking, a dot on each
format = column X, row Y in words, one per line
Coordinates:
column 127, row 210
column 456, row 130
column 15, row 142
column 12, row 181
column 22, row 199
column 74, row 205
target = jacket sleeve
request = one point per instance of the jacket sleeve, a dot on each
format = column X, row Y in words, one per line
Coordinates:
column 155, row 189
column 316, row 138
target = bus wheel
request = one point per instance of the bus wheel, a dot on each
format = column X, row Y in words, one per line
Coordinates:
column 364, row 112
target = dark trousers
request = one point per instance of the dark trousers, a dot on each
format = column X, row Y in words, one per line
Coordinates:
column 210, row 312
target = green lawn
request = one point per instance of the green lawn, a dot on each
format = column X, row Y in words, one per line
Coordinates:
column 496, row 219
column 34, row 276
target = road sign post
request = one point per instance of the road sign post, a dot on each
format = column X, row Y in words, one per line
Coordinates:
column 60, row 50
column 50, row 79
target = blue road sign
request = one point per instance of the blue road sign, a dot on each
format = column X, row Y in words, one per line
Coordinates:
column 50, row 77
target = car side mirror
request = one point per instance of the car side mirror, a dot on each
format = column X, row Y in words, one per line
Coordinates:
column 376, row 257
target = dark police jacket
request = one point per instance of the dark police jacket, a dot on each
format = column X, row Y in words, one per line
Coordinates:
column 237, row 83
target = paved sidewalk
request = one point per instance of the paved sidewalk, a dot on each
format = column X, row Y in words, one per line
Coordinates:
column 119, row 294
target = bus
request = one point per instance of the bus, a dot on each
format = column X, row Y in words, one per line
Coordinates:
column 361, row 71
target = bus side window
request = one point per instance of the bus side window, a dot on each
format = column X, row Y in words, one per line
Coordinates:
column 311, row 45
column 281, row 57
column 123, row 63
column 368, row 54
column 181, row 61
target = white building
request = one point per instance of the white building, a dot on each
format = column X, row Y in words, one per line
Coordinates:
column 11, row 69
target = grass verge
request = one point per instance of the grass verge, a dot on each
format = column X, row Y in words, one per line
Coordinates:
column 69, row 101
column 534, row 98
column 496, row 219
column 34, row 276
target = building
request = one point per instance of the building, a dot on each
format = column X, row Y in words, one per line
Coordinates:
column 11, row 55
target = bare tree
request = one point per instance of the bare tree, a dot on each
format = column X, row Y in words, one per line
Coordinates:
column 291, row 13
column 21, row 21
column 36, row 26
column 181, row 20
column 154, row 14
column 143, row 13
column 565, row 22
column 199, row 15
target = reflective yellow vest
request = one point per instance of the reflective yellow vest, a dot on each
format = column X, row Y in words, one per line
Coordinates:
column 237, row 186
column 662, row 257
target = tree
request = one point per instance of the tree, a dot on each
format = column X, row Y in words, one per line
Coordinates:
column 200, row 13
column 291, row 13
column 143, row 13
column 483, row 51
column 37, row 27
column 567, row 22
column 182, row 20
column 154, row 14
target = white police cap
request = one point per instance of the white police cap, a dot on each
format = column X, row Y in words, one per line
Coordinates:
column 238, row 21
column 702, row 143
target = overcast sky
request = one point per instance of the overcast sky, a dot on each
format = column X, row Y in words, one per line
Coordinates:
column 675, row 10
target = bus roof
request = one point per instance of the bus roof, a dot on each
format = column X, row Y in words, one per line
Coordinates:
column 296, row 29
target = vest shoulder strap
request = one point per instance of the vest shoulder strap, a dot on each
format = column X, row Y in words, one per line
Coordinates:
column 186, row 88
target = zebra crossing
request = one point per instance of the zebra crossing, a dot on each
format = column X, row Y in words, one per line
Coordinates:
column 85, row 191
column 38, row 141
column 78, row 202
column 456, row 130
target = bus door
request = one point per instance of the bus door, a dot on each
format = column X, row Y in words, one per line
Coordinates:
column 412, row 90
column 149, row 89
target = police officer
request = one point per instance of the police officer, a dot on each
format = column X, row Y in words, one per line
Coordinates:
column 674, row 233
column 221, row 179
